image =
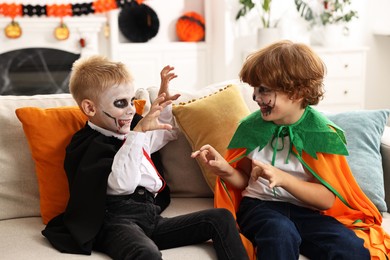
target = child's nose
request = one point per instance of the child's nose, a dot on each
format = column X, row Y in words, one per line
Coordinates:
column 256, row 97
column 130, row 110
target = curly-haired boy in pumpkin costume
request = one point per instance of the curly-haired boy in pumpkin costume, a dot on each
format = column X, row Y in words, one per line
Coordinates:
column 285, row 175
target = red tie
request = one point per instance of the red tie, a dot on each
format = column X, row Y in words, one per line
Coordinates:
column 151, row 162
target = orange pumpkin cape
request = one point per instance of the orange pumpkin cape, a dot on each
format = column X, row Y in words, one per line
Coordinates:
column 352, row 207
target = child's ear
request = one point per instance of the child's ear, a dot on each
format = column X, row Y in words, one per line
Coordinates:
column 88, row 107
column 297, row 99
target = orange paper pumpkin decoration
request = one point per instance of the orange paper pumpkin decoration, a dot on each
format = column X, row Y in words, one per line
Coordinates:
column 190, row 27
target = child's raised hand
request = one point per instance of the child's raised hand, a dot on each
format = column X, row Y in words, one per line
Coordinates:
column 212, row 159
column 150, row 121
column 268, row 172
column 167, row 75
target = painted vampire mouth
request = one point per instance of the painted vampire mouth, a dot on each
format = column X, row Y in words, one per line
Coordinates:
column 266, row 109
column 122, row 122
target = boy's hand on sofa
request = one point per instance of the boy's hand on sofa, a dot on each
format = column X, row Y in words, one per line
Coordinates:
column 150, row 121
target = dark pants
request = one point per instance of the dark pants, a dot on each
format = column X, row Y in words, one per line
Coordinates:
column 134, row 229
column 282, row 230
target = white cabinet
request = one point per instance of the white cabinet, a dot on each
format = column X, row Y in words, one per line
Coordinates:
column 344, row 82
column 192, row 60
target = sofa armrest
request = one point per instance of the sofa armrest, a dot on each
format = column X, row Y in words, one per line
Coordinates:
column 385, row 151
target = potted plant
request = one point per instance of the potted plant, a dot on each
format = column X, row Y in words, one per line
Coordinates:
column 265, row 12
column 268, row 31
column 327, row 16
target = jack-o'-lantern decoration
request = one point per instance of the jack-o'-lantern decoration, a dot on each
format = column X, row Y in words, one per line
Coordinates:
column 61, row 32
column 13, row 30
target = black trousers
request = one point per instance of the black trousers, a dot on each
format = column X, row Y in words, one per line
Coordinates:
column 134, row 229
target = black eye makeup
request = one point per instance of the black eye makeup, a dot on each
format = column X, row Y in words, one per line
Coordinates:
column 121, row 103
column 263, row 90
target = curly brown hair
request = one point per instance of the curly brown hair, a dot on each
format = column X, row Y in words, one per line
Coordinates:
column 291, row 68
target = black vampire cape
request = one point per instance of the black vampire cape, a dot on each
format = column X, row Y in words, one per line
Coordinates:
column 88, row 161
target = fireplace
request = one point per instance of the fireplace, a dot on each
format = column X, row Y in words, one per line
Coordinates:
column 38, row 63
column 34, row 71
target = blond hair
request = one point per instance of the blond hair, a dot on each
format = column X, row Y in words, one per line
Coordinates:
column 92, row 75
column 291, row 68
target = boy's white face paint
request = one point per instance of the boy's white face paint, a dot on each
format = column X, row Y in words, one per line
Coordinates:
column 115, row 109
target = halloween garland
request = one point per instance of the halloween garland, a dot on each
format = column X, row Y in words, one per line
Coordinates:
column 13, row 30
column 62, row 10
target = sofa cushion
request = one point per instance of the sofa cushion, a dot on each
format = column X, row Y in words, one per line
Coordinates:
column 212, row 120
column 19, row 196
column 21, row 238
column 363, row 131
column 48, row 132
column 181, row 172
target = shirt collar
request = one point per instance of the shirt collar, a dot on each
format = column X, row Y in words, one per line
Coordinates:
column 106, row 132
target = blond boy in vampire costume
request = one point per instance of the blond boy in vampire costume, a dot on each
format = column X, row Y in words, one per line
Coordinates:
column 113, row 182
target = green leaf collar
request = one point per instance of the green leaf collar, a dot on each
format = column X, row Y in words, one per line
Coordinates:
column 312, row 133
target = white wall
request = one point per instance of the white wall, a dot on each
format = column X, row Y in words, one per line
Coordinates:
column 378, row 69
column 238, row 36
column 232, row 38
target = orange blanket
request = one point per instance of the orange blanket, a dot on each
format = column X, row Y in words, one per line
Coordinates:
column 352, row 207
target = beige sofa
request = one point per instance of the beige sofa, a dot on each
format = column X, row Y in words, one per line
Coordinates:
column 20, row 221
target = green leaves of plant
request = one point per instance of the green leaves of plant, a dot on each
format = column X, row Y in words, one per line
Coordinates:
column 304, row 10
column 247, row 5
column 334, row 12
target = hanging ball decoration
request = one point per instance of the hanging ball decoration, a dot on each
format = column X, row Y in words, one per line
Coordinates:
column 138, row 22
column 190, row 27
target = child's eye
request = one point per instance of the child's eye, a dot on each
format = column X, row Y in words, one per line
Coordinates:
column 263, row 90
column 121, row 103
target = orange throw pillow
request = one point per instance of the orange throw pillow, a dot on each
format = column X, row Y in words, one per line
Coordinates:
column 48, row 132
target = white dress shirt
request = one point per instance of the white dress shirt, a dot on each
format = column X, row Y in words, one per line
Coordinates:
column 130, row 167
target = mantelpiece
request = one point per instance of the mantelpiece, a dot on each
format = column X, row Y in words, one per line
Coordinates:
column 39, row 33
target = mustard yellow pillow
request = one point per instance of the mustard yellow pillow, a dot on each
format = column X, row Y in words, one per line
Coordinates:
column 211, row 120
column 48, row 132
